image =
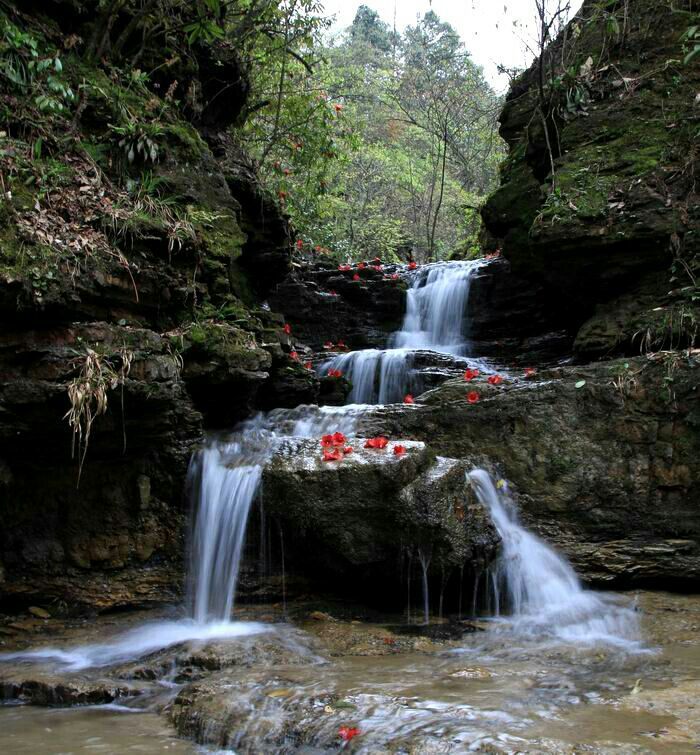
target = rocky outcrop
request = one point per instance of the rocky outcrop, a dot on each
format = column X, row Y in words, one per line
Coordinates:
column 604, row 458
column 598, row 209
column 324, row 304
column 357, row 520
column 132, row 280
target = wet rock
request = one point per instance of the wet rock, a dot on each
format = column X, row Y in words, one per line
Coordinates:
column 40, row 688
column 354, row 520
column 604, row 458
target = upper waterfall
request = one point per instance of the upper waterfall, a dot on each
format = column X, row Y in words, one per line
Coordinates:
column 435, row 320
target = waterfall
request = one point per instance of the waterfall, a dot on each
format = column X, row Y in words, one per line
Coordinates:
column 225, row 477
column 539, row 587
column 434, row 321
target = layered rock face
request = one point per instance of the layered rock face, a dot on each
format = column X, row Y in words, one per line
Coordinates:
column 597, row 210
column 146, row 299
column 603, row 458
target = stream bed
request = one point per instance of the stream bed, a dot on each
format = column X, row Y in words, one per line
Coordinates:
column 452, row 687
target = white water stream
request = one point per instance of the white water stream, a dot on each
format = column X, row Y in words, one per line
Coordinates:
column 436, row 307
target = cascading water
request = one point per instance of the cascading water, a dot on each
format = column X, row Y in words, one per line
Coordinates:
column 540, row 588
column 434, row 321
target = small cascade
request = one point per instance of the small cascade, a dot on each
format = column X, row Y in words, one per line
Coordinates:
column 434, row 321
column 540, row 589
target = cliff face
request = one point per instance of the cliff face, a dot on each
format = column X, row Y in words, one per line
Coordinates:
column 604, row 220
column 131, row 262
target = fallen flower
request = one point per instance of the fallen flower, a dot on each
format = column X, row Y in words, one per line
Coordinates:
column 346, row 733
column 361, row 265
column 494, row 379
column 378, row 442
column 408, row 399
column 356, row 277
column 469, row 375
column 287, row 328
column 378, row 268
column 338, row 108
column 412, row 265
column 399, row 450
column 339, row 439
column 308, row 365
column 530, row 371
column 344, row 268
column 328, row 345
column 335, row 455
column 472, row 397
column 348, row 450
column 341, row 345
column 335, row 373
column 294, row 355
column 300, row 244
column 394, row 276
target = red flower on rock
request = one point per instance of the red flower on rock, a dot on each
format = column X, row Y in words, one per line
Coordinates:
column 335, row 373
column 399, row 450
column 361, row 265
column 473, row 397
column 294, row 355
column 346, row 733
column 394, row 276
column 469, row 375
column 356, row 277
column 338, row 108
column 378, row 442
column 335, row 455
column 530, row 371
column 348, row 450
column 287, row 328
column 412, row 265
column 344, row 268
column 408, row 399
column 308, row 365
column 328, row 345
column 378, row 268
column 341, row 345
column 494, row 379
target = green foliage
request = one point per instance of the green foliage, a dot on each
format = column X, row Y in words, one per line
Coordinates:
column 26, row 66
column 139, row 140
column 691, row 44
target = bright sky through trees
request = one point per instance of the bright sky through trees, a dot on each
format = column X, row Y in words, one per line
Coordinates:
column 495, row 31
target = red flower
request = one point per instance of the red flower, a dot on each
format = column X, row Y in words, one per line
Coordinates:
column 287, row 172
column 335, row 455
column 344, row 268
column 494, row 379
column 300, row 244
column 493, row 255
column 338, row 108
column 395, row 276
column 335, row 373
column 346, row 733
column 472, row 397
column 399, row 450
column 412, row 265
column 348, row 450
column 341, row 345
column 361, row 265
column 308, row 365
column 469, row 375
column 356, row 277
column 328, row 345
column 287, row 328
column 294, row 355
column 378, row 442
column 339, row 439
column 327, row 441
column 317, row 248
column 408, row 399
column 378, row 268
column 282, row 194
column 530, row 371
column 332, row 293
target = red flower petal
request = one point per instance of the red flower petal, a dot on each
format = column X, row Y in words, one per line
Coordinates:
column 469, row 375
column 378, row 442
column 399, row 450
column 494, row 379
column 338, row 439
column 412, row 265
column 472, row 397
column 287, row 328
column 348, row 450
column 408, row 399
column 346, row 733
